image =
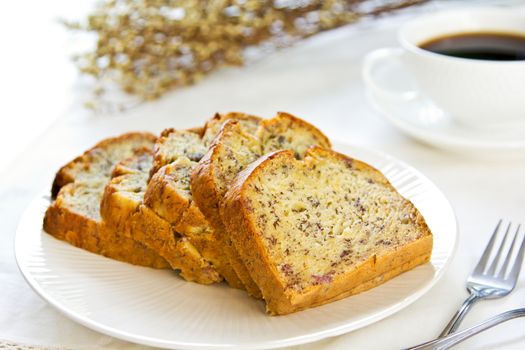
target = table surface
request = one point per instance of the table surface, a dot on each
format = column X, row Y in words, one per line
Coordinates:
column 318, row 79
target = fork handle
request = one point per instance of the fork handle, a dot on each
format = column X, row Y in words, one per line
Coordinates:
column 454, row 323
column 455, row 338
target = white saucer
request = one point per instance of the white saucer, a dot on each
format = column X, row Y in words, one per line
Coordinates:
column 420, row 118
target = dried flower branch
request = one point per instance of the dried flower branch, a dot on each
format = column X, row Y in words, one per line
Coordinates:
column 151, row 46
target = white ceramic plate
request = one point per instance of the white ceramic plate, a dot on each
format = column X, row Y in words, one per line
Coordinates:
column 157, row 308
column 422, row 119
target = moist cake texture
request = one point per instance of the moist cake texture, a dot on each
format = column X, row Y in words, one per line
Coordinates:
column 74, row 214
column 314, row 230
column 123, row 209
column 169, row 192
column 231, row 151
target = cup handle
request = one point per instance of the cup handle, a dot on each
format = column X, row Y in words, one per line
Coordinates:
column 378, row 57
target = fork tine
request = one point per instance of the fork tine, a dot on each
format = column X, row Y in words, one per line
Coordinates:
column 514, row 273
column 491, row 271
column 505, row 266
column 482, row 263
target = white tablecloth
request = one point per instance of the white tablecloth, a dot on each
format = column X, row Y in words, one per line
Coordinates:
column 320, row 81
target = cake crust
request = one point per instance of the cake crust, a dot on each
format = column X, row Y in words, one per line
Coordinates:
column 206, row 193
column 122, row 208
column 230, row 152
column 170, row 195
column 280, row 298
column 77, row 189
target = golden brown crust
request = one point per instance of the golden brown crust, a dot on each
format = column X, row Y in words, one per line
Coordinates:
column 221, row 118
column 215, row 124
column 68, row 226
column 80, row 223
column 197, row 130
column 166, row 200
column 163, row 198
column 198, row 231
column 126, row 213
column 147, row 227
column 206, row 195
column 284, row 121
column 279, row 299
column 116, row 209
column 356, row 280
column 95, row 237
column 185, row 217
column 248, row 250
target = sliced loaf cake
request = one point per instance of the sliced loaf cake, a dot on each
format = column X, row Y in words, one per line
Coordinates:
column 77, row 190
column 169, row 195
column 231, row 151
column 316, row 230
column 122, row 209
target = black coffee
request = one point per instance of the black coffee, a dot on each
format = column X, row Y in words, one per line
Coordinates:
column 479, row 46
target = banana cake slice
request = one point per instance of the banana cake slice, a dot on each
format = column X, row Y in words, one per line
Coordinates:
column 77, row 190
column 230, row 152
column 320, row 229
column 169, row 194
column 122, row 208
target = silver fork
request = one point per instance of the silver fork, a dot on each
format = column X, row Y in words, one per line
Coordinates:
column 456, row 338
column 487, row 281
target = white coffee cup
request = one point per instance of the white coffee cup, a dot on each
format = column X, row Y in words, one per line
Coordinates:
column 474, row 92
